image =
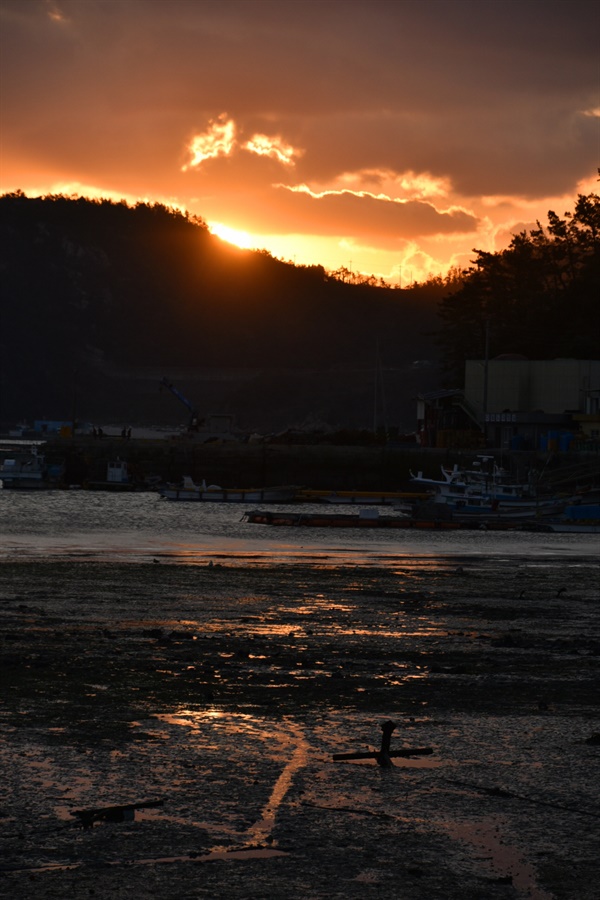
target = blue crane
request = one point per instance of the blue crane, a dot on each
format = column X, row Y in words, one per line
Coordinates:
column 194, row 417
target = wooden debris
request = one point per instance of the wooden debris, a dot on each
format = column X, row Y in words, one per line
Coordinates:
column 123, row 812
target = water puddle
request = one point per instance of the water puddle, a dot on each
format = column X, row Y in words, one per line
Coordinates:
column 288, row 735
column 486, row 837
column 262, row 827
column 250, row 853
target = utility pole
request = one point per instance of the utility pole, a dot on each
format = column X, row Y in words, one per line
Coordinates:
column 74, row 403
column 486, row 366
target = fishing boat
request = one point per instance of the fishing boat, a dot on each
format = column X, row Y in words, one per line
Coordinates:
column 24, row 467
column 486, row 492
column 190, row 491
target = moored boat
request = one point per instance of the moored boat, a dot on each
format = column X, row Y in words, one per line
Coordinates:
column 24, row 467
column 360, row 498
column 188, row 490
column 484, row 491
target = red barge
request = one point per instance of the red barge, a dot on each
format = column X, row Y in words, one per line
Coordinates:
column 365, row 519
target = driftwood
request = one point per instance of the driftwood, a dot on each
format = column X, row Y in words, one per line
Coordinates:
column 405, row 752
column 123, row 812
column 384, row 756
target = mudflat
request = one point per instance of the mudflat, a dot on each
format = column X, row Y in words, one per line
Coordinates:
column 169, row 731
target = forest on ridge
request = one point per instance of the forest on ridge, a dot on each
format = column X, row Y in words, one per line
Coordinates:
column 100, row 300
column 539, row 298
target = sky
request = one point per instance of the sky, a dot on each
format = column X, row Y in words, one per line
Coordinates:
column 388, row 137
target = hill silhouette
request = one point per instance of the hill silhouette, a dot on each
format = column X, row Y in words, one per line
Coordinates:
column 100, row 300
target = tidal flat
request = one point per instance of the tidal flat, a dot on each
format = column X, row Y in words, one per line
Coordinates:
column 214, row 697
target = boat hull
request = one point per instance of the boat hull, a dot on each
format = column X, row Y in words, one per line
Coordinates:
column 226, row 495
column 343, row 520
column 570, row 528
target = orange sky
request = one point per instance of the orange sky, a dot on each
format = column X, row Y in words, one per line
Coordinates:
column 388, row 136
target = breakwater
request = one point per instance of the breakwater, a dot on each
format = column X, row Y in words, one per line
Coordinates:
column 318, row 467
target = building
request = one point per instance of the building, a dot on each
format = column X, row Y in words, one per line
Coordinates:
column 514, row 403
column 444, row 421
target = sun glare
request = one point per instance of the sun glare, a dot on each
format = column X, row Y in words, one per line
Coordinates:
column 240, row 238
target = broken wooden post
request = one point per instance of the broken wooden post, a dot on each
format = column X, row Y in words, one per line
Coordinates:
column 384, row 756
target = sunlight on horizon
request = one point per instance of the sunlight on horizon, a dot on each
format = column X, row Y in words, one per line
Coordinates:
column 242, row 239
column 411, row 261
column 334, row 253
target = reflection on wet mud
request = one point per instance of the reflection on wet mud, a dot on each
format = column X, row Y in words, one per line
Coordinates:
column 290, row 739
column 225, row 691
column 488, row 837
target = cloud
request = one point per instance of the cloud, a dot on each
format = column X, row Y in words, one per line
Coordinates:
column 396, row 121
column 220, row 139
column 275, row 147
column 217, row 140
column 365, row 213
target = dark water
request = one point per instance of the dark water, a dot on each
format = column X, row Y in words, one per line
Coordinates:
column 139, row 527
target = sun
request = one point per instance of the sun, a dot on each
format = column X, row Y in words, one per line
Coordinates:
column 240, row 238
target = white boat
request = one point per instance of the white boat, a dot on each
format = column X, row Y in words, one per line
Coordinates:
column 117, row 478
column 357, row 498
column 189, row 490
column 24, row 467
column 476, row 492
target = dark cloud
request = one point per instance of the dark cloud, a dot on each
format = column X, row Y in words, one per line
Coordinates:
column 490, row 95
column 364, row 217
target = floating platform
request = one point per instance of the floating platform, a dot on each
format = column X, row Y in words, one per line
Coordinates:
column 370, row 518
column 372, row 498
column 367, row 518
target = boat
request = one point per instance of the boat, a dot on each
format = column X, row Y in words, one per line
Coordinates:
column 24, row 467
column 190, row 491
column 478, row 491
column 366, row 518
column 358, row 498
column 117, row 478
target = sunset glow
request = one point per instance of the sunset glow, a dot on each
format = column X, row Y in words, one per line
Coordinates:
column 304, row 143
column 217, row 140
column 273, row 147
column 233, row 236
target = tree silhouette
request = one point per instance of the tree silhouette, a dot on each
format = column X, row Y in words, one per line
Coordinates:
column 540, row 297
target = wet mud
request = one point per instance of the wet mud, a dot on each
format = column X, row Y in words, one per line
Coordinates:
column 219, row 695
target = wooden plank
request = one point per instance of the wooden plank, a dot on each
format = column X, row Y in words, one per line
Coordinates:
column 122, row 812
column 374, row 754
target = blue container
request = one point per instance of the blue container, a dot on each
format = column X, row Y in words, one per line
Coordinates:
column 585, row 511
column 566, row 439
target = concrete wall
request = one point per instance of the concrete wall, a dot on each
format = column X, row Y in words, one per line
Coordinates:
column 553, row 386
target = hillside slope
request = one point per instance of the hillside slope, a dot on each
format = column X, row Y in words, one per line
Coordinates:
column 100, row 300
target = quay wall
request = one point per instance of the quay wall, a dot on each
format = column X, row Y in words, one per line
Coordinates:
column 317, row 467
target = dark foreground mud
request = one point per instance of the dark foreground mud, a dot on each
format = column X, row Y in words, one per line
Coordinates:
column 224, row 693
